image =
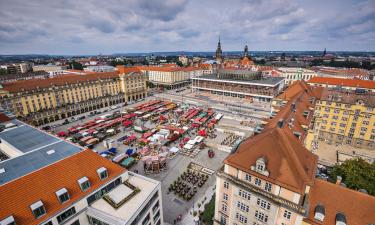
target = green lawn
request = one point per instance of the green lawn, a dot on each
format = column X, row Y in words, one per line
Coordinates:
column 208, row 212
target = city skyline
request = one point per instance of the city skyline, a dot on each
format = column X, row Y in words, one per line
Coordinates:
column 77, row 27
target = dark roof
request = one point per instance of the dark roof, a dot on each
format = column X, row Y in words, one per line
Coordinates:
column 272, row 81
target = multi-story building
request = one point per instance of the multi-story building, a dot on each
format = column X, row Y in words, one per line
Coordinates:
column 171, row 77
column 292, row 74
column 81, row 189
column 270, row 178
column 242, row 83
column 361, row 86
column 100, row 68
column 53, row 70
column 343, row 117
column 46, row 180
column 42, row 101
column 17, row 68
column 345, row 73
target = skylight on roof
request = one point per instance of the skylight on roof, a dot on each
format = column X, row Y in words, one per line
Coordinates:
column 49, row 152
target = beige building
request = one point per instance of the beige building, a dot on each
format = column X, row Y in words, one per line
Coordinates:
column 17, row 68
column 270, row 177
column 53, row 70
column 292, row 74
column 171, row 77
column 42, row 101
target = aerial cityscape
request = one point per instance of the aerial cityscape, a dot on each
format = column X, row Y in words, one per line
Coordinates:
column 186, row 112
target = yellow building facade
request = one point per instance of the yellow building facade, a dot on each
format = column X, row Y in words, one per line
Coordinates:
column 344, row 118
column 42, row 101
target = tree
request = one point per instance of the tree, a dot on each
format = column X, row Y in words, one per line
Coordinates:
column 356, row 174
column 75, row 65
column 3, row 71
column 179, row 63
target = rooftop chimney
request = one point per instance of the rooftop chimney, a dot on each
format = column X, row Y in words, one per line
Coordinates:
column 338, row 180
column 280, row 124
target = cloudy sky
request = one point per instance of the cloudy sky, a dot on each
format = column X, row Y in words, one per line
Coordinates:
column 123, row 26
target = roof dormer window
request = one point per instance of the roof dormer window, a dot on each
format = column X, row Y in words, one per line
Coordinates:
column 62, row 195
column 102, row 173
column 84, row 183
column 38, row 209
column 340, row 219
column 8, row 221
column 319, row 213
column 260, row 166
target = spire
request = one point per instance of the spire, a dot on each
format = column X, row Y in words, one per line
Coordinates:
column 219, row 52
column 246, row 52
column 325, row 52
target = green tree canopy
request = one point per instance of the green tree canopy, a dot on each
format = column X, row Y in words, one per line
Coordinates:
column 356, row 174
column 75, row 65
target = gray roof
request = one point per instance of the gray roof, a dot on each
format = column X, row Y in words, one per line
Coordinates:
column 265, row 81
column 27, row 163
column 26, row 138
column 40, row 149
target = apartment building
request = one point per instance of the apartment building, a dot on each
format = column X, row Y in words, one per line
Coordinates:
column 344, row 117
column 41, row 101
column 361, row 86
column 292, row 74
column 270, row 178
column 81, row 189
column 17, row 68
column 53, row 70
column 171, row 77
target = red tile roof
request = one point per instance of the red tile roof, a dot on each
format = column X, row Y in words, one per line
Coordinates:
column 168, row 69
column 343, row 82
column 290, row 165
column 26, row 85
column 17, row 196
column 4, row 118
column 358, row 208
column 125, row 69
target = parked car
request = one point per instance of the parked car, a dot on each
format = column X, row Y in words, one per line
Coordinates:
column 82, row 117
column 46, row 128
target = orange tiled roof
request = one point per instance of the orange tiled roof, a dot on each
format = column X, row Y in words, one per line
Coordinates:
column 357, row 207
column 4, row 118
column 343, row 82
column 26, row 85
column 17, row 196
column 168, row 69
column 125, row 69
column 290, row 165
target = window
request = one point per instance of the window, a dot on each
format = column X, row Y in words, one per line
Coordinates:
column 8, row 221
column 247, row 177
column 146, row 220
column 62, row 195
column 76, row 223
column 244, row 194
column 102, row 172
column 241, row 218
column 84, row 183
column 224, row 207
column 155, row 207
column 261, row 216
column 268, row 187
column 226, row 184
column 263, row 204
column 225, row 197
column 287, row 214
column 50, row 223
column 258, row 182
column 38, row 209
column 65, row 215
column 223, row 220
column 242, row 206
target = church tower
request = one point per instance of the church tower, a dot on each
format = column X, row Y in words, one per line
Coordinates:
column 246, row 52
column 219, row 53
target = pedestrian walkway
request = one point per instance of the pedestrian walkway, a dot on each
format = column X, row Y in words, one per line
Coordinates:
column 188, row 218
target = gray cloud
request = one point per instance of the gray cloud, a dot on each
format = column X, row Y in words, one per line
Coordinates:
column 89, row 27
